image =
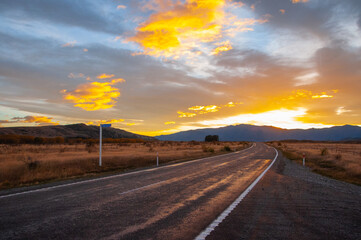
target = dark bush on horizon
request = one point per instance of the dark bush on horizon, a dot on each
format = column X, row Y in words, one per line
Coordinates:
column 211, row 138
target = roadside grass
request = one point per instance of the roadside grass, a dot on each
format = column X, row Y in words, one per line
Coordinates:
column 25, row 164
column 341, row 161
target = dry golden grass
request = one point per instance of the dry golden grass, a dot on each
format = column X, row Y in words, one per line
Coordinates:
column 338, row 160
column 31, row 164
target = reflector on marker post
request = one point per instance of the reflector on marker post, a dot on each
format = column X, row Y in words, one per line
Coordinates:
column 100, row 141
column 303, row 159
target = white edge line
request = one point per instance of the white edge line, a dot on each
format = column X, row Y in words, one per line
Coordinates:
column 114, row 176
column 230, row 208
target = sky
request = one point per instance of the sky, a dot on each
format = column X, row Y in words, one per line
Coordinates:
column 162, row 66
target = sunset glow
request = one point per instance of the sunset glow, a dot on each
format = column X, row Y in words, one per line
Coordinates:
column 163, row 66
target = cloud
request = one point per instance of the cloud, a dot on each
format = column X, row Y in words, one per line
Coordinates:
column 179, row 29
column 85, row 15
column 167, row 123
column 185, row 114
column 105, row 76
column 69, row 44
column 40, row 120
column 94, row 95
column 322, row 95
column 121, row 7
column 341, row 110
column 76, row 75
column 282, row 11
column 225, row 46
column 85, row 49
column 299, row 1
column 204, row 109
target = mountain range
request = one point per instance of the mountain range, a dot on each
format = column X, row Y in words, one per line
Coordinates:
column 71, row 131
column 245, row 132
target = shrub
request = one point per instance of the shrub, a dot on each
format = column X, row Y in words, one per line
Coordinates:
column 324, row 152
column 227, row 148
column 207, row 149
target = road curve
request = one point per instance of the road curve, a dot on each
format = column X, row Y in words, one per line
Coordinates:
column 172, row 202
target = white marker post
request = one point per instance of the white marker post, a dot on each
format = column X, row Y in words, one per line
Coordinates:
column 157, row 160
column 303, row 160
column 100, row 141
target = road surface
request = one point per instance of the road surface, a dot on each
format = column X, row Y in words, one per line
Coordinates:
column 171, row 202
column 293, row 203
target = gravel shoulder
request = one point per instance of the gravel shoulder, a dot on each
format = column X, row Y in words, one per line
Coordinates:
column 291, row 202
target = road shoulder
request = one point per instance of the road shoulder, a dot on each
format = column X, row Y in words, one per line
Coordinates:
column 291, row 202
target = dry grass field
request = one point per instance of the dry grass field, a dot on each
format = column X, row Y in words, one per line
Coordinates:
column 337, row 160
column 27, row 164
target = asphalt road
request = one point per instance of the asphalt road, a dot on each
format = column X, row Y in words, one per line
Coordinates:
column 171, row 202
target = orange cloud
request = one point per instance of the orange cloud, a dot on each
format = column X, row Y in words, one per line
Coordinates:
column 111, row 121
column 69, row 44
column 121, row 7
column 166, row 32
column 185, row 114
column 302, row 93
column 205, row 109
column 282, row 11
column 299, row 1
column 40, row 120
column 105, row 76
column 225, row 46
column 323, row 95
column 171, row 122
column 94, row 95
column 182, row 28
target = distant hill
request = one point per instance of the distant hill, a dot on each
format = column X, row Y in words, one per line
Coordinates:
column 71, row 131
column 245, row 132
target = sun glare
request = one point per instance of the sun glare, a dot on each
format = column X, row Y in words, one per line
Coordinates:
column 282, row 118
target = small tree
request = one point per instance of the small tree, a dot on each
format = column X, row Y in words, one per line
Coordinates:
column 211, row 138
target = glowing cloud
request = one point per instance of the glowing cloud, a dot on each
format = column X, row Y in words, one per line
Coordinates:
column 121, row 7
column 185, row 114
column 225, row 47
column 171, row 122
column 299, row 1
column 94, row 95
column 323, row 95
column 166, row 31
column 205, row 109
column 105, row 76
column 181, row 28
column 69, row 44
column 111, row 121
column 282, row 118
column 341, row 110
column 282, row 11
column 40, row 120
